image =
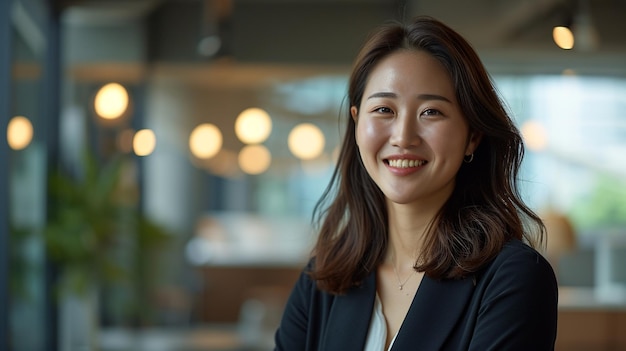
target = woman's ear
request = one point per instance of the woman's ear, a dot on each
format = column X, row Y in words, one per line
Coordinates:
column 474, row 141
column 355, row 114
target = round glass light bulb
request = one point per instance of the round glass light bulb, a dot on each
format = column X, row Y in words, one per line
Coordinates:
column 563, row 37
column 111, row 101
column 254, row 159
column 205, row 141
column 19, row 132
column 306, row 141
column 144, row 142
column 253, row 126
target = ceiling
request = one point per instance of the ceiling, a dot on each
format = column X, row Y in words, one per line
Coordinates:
column 487, row 23
column 261, row 39
column 527, row 25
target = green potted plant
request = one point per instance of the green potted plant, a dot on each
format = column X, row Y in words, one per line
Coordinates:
column 96, row 235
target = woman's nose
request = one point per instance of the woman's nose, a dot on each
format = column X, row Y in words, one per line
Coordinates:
column 405, row 131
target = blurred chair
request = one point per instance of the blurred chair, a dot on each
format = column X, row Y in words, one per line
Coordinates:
column 560, row 237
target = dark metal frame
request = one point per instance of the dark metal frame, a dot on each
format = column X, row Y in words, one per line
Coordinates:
column 5, row 111
column 49, row 107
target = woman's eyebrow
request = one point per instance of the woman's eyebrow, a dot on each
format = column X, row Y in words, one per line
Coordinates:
column 382, row 94
column 426, row 97
column 433, row 97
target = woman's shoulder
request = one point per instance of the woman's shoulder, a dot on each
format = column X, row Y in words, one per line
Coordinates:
column 305, row 283
column 306, row 294
column 522, row 250
column 519, row 258
column 305, row 273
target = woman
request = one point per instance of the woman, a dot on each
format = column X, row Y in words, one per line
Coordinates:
column 424, row 242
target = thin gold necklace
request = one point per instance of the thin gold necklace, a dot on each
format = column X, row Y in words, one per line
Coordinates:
column 401, row 284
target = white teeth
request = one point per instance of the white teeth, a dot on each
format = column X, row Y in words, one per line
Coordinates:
column 406, row 163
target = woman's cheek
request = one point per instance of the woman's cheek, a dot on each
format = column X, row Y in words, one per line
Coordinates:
column 371, row 131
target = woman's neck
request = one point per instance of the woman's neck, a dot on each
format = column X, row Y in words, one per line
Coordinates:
column 407, row 229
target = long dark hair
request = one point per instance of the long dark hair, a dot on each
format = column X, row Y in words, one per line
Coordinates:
column 485, row 209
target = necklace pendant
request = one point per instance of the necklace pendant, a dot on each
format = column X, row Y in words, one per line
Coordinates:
column 400, row 287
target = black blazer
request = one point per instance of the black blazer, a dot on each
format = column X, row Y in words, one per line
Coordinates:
column 510, row 304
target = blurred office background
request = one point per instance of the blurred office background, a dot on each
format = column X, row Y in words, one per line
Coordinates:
column 179, row 216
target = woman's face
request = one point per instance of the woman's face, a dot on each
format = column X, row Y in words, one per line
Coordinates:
column 410, row 131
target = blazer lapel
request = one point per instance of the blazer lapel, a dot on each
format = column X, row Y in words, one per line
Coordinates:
column 350, row 317
column 437, row 306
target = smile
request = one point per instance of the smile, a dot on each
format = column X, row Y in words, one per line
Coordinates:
column 404, row 163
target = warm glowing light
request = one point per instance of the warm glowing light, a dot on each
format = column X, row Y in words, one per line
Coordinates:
column 144, row 142
column 563, row 37
column 19, row 132
column 306, row 141
column 205, row 141
column 253, row 126
column 534, row 135
column 111, row 101
column 254, row 159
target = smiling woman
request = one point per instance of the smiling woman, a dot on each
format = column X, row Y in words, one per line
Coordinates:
column 421, row 241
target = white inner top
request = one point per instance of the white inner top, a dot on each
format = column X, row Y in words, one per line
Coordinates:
column 377, row 334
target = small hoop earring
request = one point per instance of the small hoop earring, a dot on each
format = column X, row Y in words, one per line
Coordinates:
column 470, row 159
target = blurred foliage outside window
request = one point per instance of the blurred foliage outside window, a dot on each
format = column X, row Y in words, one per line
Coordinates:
column 603, row 207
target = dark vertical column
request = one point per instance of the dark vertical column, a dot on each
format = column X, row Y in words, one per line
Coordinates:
column 50, row 109
column 5, row 111
column 137, row 122
column 138, row 95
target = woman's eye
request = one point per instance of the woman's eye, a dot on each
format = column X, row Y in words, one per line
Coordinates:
column 383, row 110
column 431, row 112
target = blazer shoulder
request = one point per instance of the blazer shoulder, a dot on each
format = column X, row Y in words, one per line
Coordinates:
column 517, row 257
column 516, row 248
column 305, row 281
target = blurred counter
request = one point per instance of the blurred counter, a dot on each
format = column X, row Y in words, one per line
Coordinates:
column 590, row 322
column 245, row 258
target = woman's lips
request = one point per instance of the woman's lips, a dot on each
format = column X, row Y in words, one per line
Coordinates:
column 405, row 163
column 404, row 166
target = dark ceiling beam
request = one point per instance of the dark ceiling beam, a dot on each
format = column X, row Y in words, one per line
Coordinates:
column 518, row 16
